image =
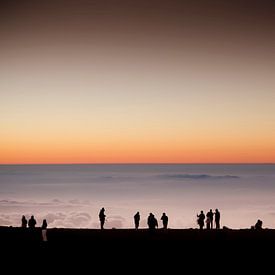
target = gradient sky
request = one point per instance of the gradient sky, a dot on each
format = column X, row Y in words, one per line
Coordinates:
column 137, row 81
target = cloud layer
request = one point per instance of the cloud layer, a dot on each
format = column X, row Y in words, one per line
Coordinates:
column 197, row 176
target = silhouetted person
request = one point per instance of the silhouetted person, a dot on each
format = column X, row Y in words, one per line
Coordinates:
column 24, row 222
column 137, row 219
column 152, row 222
column 32, row 222
column 208, row 222
column 258, row 224
column 217, row 218
column 164, row 219
column 210, row 215
column 102, row 217
column 44, row 230
column 201, row 218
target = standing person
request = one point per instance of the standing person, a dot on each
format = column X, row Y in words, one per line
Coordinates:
column 152, row 222
column 217, row 218
column 137, row 219
column 210, row 216
column 32, row 222
column 259, row 225
column 201, row 218
column 44, row 231
column 164, row 219
column 24, row 222
column 102, row 217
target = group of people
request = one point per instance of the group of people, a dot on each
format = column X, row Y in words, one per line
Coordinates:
column 153, row 223
column 31, row 223
column 209, row 219
column 151, row 220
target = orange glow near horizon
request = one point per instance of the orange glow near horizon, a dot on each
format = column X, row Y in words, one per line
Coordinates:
column 149, row 138
column 164, row 131
column 116, row 152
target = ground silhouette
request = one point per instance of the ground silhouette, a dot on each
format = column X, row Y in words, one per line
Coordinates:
column 169, row 249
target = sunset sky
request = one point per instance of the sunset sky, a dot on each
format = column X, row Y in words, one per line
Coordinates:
column 137, row 81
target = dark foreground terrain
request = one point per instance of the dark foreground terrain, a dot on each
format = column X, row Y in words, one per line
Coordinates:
column 128, row 250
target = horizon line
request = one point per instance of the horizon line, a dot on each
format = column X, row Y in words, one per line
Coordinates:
column 143, row 163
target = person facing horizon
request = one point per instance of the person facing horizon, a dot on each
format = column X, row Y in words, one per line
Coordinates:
column 164, row 219
column 217, row 218
column 44, row 224
column 201, row 218
column 24, row 222
column 152, row 222
column 44, row 230
column 209, row 217
column 32, row 222
column 137, row 219
column 258, row 224
column 102, row 217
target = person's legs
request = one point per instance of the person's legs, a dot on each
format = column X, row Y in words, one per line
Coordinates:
column 44, row 235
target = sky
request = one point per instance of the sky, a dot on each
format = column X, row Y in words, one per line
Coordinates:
column 137, row 81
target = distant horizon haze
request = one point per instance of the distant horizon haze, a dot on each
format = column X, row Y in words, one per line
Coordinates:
column 72, row 195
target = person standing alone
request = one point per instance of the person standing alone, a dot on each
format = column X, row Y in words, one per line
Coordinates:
column 44, row 231
column 24, row 222
column 137, row 219
column 102, row 217
column 164, row 219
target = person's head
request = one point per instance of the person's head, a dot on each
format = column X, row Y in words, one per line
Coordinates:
column 201, row 212
column 210, row 210
column 32, row 217
column 217, row 210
